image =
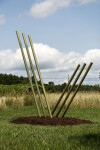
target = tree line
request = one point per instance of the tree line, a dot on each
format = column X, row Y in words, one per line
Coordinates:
column 10, row 79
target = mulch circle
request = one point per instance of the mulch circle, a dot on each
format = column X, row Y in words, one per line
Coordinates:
column 34, row 120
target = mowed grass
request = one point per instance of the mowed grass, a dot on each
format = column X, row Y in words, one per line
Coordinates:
column 28, row 137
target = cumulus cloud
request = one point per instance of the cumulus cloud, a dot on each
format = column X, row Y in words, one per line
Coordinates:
column 50, row 60
column 2, row 20
column 48, row 7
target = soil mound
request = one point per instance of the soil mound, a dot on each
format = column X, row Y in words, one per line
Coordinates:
column 33, row 120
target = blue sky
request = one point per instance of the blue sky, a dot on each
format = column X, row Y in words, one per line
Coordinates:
column 66, row 25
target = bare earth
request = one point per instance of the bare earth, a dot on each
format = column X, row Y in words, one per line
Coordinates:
column 50, row 121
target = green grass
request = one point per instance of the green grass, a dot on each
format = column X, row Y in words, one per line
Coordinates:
column 28, row 137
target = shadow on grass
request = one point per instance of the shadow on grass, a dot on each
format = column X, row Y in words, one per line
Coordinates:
column 87, row 141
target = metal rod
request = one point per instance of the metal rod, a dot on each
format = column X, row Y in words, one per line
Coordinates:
column 77, row 89
column 31, row 65
column 71, row 89
column 37, row 66
column 65, row 88
column 26, row 66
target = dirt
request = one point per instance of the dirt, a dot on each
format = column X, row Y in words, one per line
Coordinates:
column 50, row 121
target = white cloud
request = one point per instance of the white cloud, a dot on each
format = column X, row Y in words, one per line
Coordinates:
column 2, row 20
column 86, row 1
column 50, row 60
column 48, row 7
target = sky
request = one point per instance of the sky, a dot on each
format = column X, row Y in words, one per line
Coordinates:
column 64, row 33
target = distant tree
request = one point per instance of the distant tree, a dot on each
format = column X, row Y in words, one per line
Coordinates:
column 10, row 79
column 51, row 87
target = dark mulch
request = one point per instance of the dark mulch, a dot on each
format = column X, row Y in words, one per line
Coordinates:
column 50, row 121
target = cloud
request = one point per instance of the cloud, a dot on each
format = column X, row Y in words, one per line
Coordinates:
column 2, row 20
column 50, row 61
column 48, row 7
column 86, row 1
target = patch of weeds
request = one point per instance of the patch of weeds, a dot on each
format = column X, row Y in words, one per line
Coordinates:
column 14, row 103
column 9, row 102
column 2, row 106
column 17, row 103
column 28, row 100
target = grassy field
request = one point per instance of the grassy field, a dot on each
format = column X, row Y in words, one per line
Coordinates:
column 27, row 137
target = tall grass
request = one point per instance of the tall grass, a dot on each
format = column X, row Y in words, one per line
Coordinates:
column 28, row 101
column 81, row 100
column 2, row 106
column 14, row 102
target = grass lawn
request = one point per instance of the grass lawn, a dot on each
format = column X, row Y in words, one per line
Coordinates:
column 28, row 137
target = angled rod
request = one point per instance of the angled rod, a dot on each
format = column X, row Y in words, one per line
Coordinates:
column 86, row 72
column 65, row 88
column 38, row 70
column 26, row 66
column 70, row 89
column 31, row 65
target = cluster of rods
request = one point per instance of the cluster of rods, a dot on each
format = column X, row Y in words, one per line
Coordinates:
column 51, row 114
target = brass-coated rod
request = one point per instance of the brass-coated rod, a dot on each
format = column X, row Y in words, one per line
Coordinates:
column 70, row 89
column 26, row 66
column 65, row 88
column 38, row 70
column 77, row 89
column 31, row 65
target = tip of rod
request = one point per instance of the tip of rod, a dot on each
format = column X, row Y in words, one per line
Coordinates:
column 91, row 63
